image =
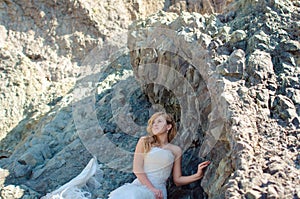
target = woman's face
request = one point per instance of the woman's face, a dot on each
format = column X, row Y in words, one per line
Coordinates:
column 160, row 125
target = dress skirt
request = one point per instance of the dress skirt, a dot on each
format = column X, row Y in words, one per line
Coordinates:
column 133, row 190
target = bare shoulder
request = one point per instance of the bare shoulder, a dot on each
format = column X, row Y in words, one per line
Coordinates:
column 176, row 150
column 142, row 139
column 140, row 144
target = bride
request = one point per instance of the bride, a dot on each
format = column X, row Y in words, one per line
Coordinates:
column 154, row 160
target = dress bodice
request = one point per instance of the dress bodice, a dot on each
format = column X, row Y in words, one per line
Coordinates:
column 158, row 164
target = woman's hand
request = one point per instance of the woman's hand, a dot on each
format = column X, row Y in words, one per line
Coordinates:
column 201, row 166
column 157, row 193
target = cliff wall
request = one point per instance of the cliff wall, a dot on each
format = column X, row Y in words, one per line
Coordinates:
column 80, row 79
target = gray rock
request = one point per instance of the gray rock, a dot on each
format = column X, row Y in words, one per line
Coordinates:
column 223, row 33
column 290, row 45
column 11, row 192
column 284, row 107
column 294, row 95
column 230, row 80
column 237, row 36
column 260, row 40
column 20, row 169
column 260, row 66
column 272, row 191
column 253, row 194
column 236, row 61
column 235, row 65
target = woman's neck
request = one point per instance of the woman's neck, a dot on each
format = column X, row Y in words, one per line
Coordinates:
column 163, row 139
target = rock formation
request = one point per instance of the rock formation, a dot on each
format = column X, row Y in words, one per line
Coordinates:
column 80, row 79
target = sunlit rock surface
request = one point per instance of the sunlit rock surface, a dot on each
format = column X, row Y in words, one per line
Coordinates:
column 80, row 79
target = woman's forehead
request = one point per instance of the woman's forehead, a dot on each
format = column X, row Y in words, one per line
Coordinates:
column 161, row 117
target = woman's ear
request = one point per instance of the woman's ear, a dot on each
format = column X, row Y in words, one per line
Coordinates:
column 169, row 127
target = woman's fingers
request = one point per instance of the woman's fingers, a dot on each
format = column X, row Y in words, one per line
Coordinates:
column 204, row 164
column 201, row 167
column 158, row 194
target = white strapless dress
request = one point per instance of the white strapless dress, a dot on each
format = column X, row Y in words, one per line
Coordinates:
column 158, row 164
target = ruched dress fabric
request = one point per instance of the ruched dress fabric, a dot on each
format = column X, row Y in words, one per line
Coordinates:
column 158, row 165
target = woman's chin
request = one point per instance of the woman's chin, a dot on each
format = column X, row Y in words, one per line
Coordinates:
column 157, row 133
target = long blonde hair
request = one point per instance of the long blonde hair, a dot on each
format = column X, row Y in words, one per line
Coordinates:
column 151, row 139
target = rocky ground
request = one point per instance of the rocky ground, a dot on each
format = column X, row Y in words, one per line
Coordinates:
column 79, row 79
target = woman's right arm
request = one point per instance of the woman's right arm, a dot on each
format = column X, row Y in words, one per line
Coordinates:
column 180, row 180
column 138, row 168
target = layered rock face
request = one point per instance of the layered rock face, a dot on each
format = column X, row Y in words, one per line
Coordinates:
column 242, row 67
column 43, row 44
column 76, row 83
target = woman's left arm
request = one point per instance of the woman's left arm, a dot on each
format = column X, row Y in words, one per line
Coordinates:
column 180, row 180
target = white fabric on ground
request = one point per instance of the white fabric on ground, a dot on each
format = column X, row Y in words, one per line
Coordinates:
column 72, row 189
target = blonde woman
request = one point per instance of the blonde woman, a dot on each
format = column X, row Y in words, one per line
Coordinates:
column 154, row 159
